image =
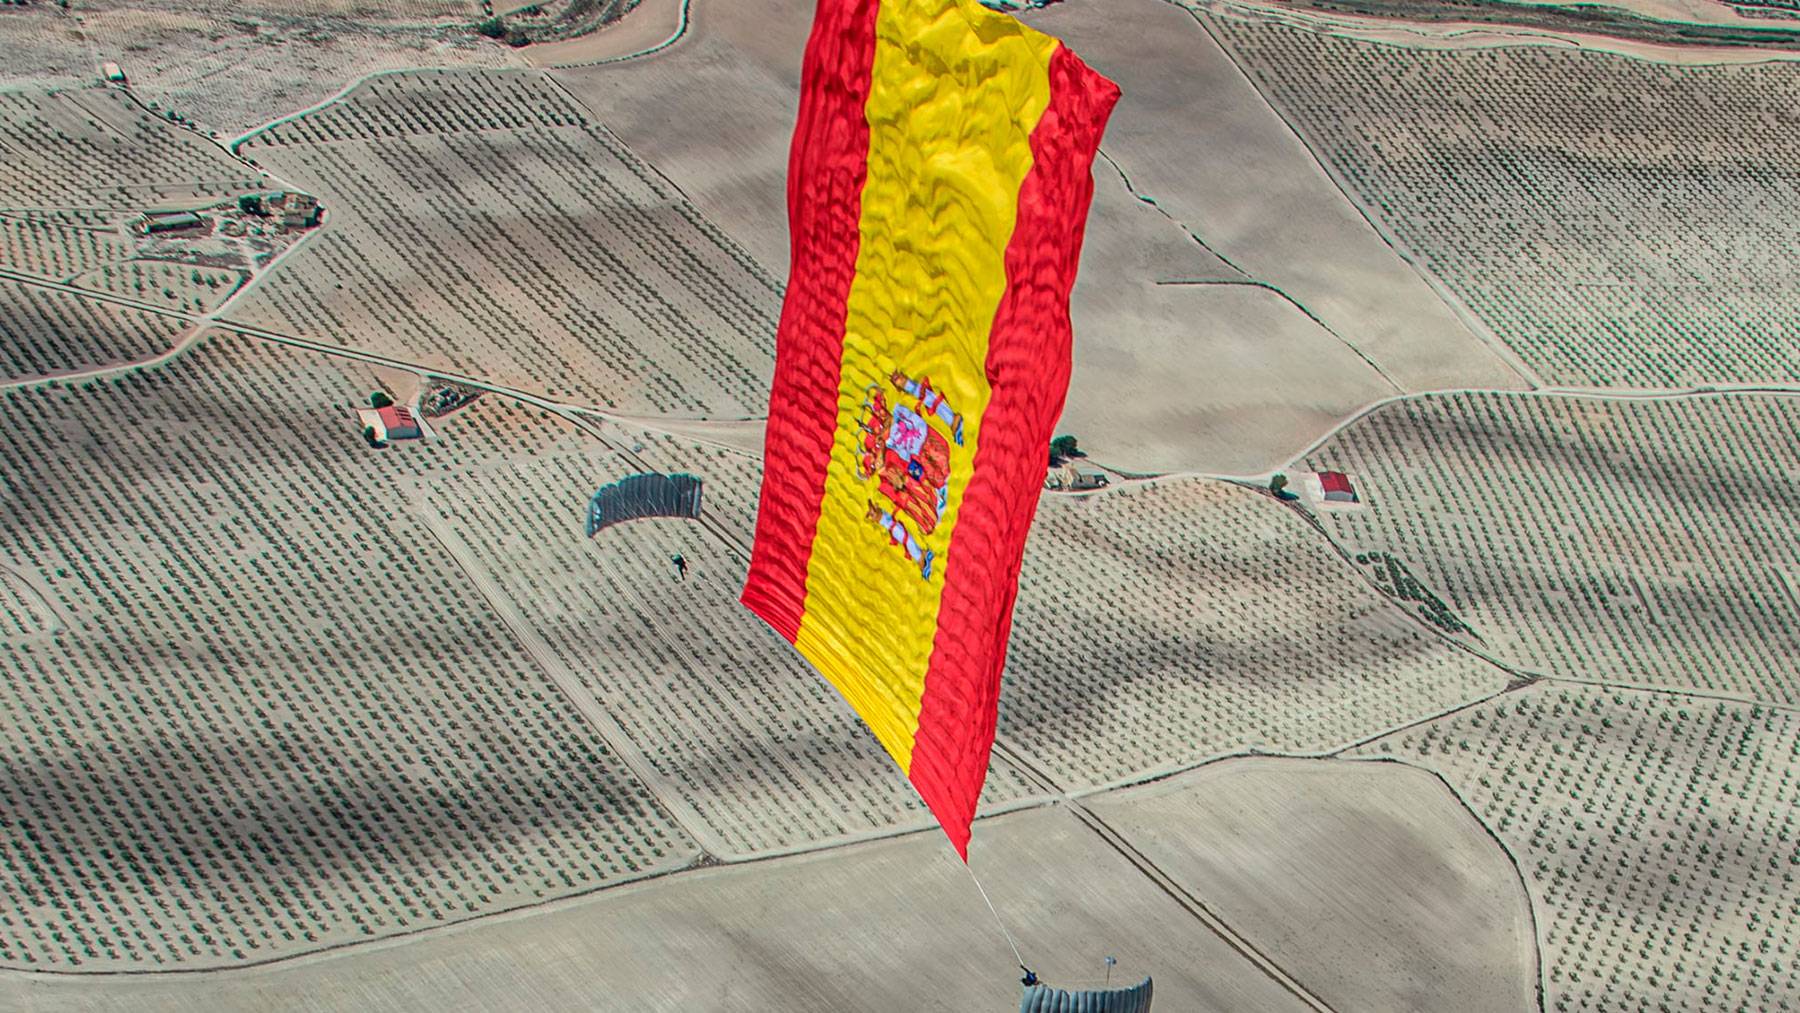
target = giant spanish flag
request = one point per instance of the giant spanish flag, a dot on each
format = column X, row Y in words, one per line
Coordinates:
column 937, row 191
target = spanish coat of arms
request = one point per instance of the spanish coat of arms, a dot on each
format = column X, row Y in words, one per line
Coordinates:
column 907, row 448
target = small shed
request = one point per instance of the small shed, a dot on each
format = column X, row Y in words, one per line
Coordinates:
column 1084, row 477
column 1335, row 487
column 169, row 221
column 111, row 72
column 395, row 422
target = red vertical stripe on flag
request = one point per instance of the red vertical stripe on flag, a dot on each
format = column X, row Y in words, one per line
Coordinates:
column 1028, row 371
column 826, row 169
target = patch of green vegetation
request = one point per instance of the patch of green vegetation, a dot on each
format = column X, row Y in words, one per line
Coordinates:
column 1396, row 581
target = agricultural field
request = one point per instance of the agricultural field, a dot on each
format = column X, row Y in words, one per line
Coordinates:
column 44, row 332
column 733, row 84
column 279, row 719
column 95, row 148
column 1616, row 220
column 1656, row 834
column 1642, row 541
column 765, row 751
column 230, row 67
column 23, row 611
column 43, row 44
column 163, row 282
column 375, row 725
column 1370, row 882
column 560, row 263
column 844, row 929
column 1177, row 621
column 1197, row 138
column 60, row 244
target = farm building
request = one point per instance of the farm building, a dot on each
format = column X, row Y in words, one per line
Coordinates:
column 395, row 422
column 1075, row 478
column 111, row 72
column 167, row 221
column 299, row 210
column 1083, row 477
column 1335, row 487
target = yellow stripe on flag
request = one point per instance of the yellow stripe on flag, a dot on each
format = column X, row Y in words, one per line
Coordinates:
column 957, row 91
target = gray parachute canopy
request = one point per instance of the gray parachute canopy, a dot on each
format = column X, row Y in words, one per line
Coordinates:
column 1044, row 999
column 650, row 495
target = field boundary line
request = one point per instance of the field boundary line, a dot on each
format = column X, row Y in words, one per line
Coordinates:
column 1143, row 198
column 1244, row 277
column 1362, row 26
column 1258, row 283
column 549, row 664
column 1463, row 314
column 1171, row 887
column 1286, row 464
column 1512, row 860
column 1680, row 691
column 681, row 28
column 357, row 82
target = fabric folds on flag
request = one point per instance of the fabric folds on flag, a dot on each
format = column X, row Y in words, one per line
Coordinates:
column 938, row 187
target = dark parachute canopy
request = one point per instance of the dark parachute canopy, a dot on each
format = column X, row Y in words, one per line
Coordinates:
column 1044, row 999
column 651, row 495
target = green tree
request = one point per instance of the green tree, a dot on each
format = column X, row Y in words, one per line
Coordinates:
column 251, row 204
column 493, row 28
column 1278, row 486
column 1065, row 446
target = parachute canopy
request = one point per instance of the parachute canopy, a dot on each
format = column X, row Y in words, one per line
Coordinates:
column 1044, row 999
column 651, row 495
column 938, row 186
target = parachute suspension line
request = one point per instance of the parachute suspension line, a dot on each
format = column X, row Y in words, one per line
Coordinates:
column 1003, row 930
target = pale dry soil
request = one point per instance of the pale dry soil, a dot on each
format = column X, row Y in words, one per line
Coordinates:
column 1368, row 882
column 732, row 83
column 1195, row 135
column 650, row 24
column 231, row 66
column 1218, row 378
column 890, row 925
column 1656, row 832
column 1254, row 378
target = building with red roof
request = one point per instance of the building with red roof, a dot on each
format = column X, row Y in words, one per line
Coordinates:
column 1336, row 488
column 394, row 422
